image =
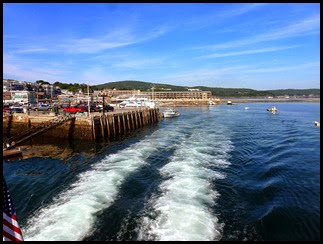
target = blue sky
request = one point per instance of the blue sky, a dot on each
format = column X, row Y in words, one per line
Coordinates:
column 259, row 46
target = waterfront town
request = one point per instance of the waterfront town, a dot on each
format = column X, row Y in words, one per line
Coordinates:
column 34, row 108
column 22, row 93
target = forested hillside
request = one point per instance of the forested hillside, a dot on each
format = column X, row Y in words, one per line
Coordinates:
column 216, row 91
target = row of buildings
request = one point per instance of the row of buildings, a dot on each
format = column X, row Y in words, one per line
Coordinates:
column 30, row 92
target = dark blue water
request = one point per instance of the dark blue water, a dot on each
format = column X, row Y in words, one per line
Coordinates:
column 213, row 173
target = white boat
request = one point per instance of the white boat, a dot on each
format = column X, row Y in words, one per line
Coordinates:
column 246, row 108
column 316, row 123
column 132, row 105
column 229, row 103
column 211, row 102
column 170, row 113
column 272, row 110
column 136, row 103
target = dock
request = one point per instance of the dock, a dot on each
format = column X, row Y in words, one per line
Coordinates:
column 13, row 153
column 98, row 127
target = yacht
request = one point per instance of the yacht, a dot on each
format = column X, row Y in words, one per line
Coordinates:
column 132, row 105
column 136, row 103
column 170, row 113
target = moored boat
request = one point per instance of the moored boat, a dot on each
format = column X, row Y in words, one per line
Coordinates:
column 272, row 110
column 170, row 113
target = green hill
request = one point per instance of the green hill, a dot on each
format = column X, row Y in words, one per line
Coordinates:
column 216, row 91
column 137, row 85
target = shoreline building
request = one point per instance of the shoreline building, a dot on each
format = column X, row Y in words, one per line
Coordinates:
column 23, row 97
column 159, row 95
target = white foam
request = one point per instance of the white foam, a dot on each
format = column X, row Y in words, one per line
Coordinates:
column 72, row 214
column 183, row 211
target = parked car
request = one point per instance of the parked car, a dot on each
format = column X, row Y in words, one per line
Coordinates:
column 41, row 107
column 108, row 108
column 94, row 108
column 74, row 109
column 16, row 109
column 6, row 108
column 64, row 106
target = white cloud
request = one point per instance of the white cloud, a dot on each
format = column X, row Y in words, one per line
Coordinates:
column 33, row 74
column 253, row 51
column 239, row 11
column 303, row 27
column 31, row 50
column 120, row 38
column 281, row 69
column 29, row 69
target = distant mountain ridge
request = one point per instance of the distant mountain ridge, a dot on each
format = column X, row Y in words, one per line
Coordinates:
column 216, row 91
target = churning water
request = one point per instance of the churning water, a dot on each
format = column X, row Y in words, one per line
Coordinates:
column 213, row 173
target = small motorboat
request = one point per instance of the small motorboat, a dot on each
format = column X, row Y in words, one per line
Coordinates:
column 272, row 110
column 170, row 113
column 229, row 103
column 317, row 123
column 246, row 108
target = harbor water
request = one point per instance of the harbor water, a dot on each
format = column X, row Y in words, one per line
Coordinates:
column 213, row 173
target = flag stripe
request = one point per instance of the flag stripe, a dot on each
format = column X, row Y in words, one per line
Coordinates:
column 5, row 238
column 8, row 237
column 14, row 228
column 10, row 227
column 10, row 220
column 7, row 232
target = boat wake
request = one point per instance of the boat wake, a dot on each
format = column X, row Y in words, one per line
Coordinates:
column 182, row 209
column 72, row 215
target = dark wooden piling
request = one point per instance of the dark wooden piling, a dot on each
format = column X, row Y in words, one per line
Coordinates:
column 123, row 124
column 93, row 129
column 107, row 126
column 128, row 122
column 102, row 126
column 139, row 118
column 114, row 125
column 136, row 119
column 132, row 120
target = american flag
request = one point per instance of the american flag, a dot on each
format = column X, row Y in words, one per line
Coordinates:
column 11, row 230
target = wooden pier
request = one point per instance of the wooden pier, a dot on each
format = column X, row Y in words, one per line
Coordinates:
column 13, row 153
column 100, row 127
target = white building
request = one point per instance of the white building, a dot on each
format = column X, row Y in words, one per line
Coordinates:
column 23, row 97
column 6, row 86
column 66, row 92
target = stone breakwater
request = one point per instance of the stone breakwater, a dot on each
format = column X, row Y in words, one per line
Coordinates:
column 99, row 127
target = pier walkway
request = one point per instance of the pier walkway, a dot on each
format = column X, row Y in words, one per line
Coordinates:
column 35, row 130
